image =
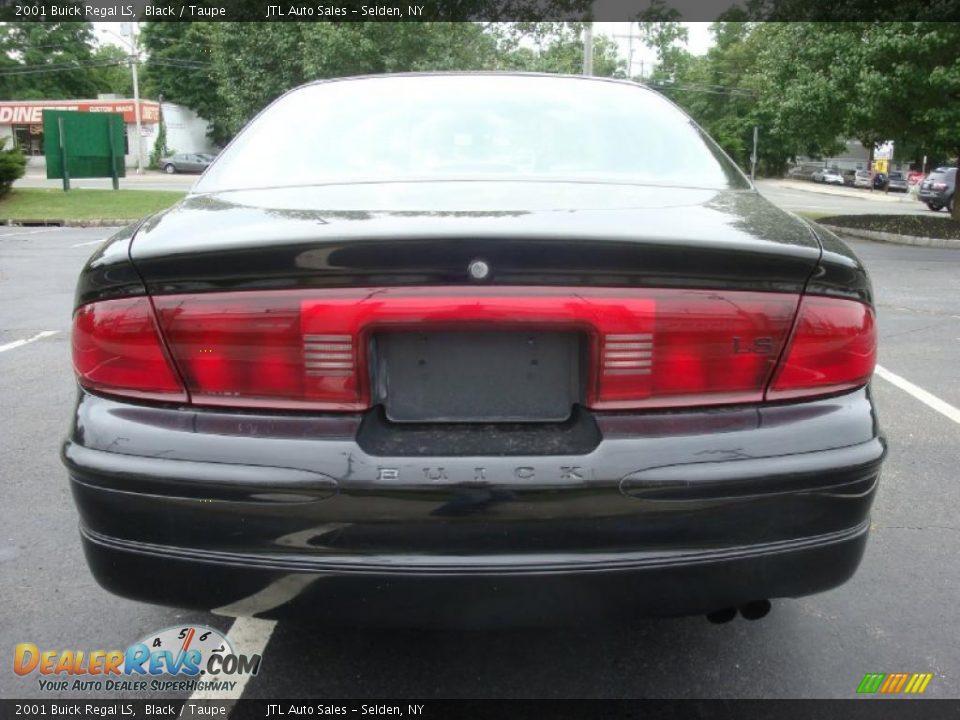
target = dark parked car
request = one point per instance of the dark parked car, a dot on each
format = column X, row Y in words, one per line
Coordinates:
column 453, row 348
column 186, row 163
column 897, row 182
column 939, row 188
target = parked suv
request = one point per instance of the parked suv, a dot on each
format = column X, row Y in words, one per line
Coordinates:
column 938, row 189
column 862, row 179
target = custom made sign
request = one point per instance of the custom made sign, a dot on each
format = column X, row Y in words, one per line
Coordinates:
column 31, row 112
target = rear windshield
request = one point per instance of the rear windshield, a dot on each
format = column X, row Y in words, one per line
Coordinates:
column 942, row 172
column 437, row 127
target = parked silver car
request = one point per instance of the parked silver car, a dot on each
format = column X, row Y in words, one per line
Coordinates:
column 862, row 179
column 186, row 163
column 828, row 176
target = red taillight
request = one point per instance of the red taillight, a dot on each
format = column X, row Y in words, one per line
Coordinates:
column 696, row 348
column 117, row 350
column 264, row 349
column 833, row 348
column 649, row 348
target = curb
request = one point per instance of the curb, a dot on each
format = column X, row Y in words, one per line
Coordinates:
column 876, row 235
column 845, row 191
column 52, row 222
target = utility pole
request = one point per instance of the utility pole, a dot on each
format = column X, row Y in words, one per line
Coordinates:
column 753, row 157
column 588, row 49
column 129, row 29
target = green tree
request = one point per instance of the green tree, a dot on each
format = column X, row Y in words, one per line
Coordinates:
column 554, row 47
column 112, row 74
column 250, row 69
column 179, row 67
column 49, row 60
column 810, row 86
column 910, row 81
column 12, row 166
column 669, row 39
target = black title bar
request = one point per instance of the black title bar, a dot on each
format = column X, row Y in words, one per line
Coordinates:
column 475, row 10
column 298, row 709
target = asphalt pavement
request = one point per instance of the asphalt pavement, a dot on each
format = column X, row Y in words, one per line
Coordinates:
column 898, row 614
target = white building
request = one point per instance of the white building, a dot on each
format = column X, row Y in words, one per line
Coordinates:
column 22, row 122
column 186, row 131
column 854, row 156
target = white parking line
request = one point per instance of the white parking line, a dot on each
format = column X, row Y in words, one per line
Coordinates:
column 21, row 343
column 944, row 408
column 84, row 244
column 249, row 636
column 29, row 232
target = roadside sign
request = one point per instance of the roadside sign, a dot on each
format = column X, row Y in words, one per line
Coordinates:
column 83, row 145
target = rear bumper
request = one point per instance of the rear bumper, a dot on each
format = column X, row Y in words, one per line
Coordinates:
column 465, row 592
column 663, row 514
column 933, row 196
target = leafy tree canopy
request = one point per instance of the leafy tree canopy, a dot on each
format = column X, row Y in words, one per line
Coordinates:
column 47, row 61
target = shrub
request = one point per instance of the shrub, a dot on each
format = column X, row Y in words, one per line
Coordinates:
column 12, row 166
column 160, row 149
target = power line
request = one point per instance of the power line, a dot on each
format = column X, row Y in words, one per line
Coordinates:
column 60, row 69
column 712, row 90
column 184, row 64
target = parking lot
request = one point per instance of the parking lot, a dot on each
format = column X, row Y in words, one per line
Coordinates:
column 898, row 614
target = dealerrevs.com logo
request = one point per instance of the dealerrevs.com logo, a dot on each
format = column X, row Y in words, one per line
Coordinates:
column 187, row 659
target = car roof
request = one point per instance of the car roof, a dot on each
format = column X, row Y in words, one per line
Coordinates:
column 479, row 73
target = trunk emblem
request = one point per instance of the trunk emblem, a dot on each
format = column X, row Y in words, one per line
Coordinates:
column 479, row 270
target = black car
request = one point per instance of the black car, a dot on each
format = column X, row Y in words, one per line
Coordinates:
column 470, row 347
column 938, row 189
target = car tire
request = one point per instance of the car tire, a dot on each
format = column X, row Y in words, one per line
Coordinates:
column 169, row 169
column 934, row 206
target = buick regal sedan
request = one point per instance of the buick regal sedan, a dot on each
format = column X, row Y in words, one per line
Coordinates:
column 469, row 348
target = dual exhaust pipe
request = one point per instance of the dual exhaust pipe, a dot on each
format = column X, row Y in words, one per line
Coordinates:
column 753, row 610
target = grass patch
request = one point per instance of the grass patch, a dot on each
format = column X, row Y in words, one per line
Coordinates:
column 43, row 204
column 934, row 225
column 813, row 215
